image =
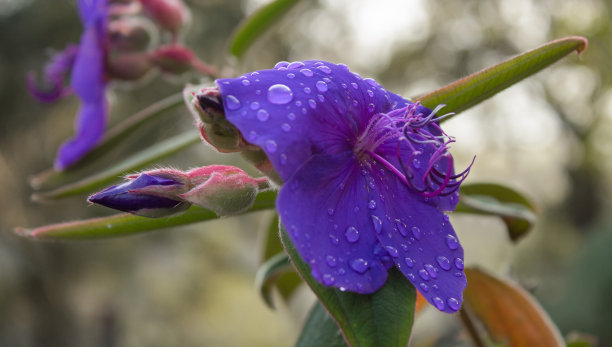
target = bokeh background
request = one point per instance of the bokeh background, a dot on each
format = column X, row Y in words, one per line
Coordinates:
column 548, row 137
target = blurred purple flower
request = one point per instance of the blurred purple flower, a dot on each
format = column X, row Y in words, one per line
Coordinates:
column 85, row 63
column 367, row 176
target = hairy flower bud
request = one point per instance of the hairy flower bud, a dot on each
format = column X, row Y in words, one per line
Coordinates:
column 128, row 66
column 130, row 34
column 170, row 15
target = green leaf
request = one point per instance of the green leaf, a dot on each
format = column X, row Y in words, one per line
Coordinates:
column 509, row 313
column 471, row 90
column 286, row 281
column 112, row 137
column 125, row 224
column 256, row 24
column 381, row 319
column 138, row 161
column 517, row 212
column 320, row 330
column 268, row 273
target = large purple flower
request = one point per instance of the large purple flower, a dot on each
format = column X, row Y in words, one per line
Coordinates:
column 366, row 176
column 85, row 63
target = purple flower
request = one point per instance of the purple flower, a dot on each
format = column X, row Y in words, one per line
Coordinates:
column 85, row 63
column 367, row 176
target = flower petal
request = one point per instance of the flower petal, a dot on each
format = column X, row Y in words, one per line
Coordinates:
column 419, row 239
column 87, row 74
column 90, row 124
column 303, row 108
column 323, row 207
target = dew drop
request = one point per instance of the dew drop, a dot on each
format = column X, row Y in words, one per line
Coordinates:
column 334, row 240
column 321, row 86
column 411, row 277
column 343, row 67
column 286, row 127
column 281, row 64
column 295, row 65
column 459, row 263
column 424, row 287
column 355, row 85
column 453, row 303
column 331, row 260
column 371, row 108
column 263, row 115
column 431, row 270
column 342, row 289
column 254, row 105
column 355, row 103
column 290, row 75
column 341, row 271
column 423, row 274
column 246, row 82
column 377, row 224
column 409, row 262
column 370, row 93
column 401, row 228
column 356, row 209
column 232, row 102
column 320, row 97
column 306, row 72
column 352, row 234
column 325, row 69
column 344, row 85
column 304, row 110
column 280, row 94
column 252, row 135
column 291, row 116
column 328, row 279
column 416, row 232
column 416, row 163
column 392, row 251
column 360, row 265
column 439, row 303
column 452, row 242
column 371, row 82
column 444, row 262
column 331, row 211
column 271, row 146
column 298, row 103
column 307, row 90
column 372, row 204
column 312, row 103
column 283, row 159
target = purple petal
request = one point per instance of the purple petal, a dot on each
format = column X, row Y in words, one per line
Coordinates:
column 87, row 74
column 303, row 108
column 419, row 239
column 324, row 209
column 90, row 124
column 55, row 72
column 90, row 9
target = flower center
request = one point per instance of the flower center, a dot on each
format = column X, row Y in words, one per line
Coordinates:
column 414, row 135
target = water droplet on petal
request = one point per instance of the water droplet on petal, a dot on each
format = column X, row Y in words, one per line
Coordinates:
column 291, row 116
column 352, row 234
column 444, row 262
column 306, row 72
column 252, row 135
column 321, row 86
column 334, row 240
column 401, row 228
column 392, row 251
column 372, row 204
column 360, row 265
column 439, row 303
column 290, row 75
column 431, row 270
column 409, row 262
column 423, row 274
column 263, row 115
column 343, row 67
column 312, row 103
column 453, row 303
column 371, row 107
column 295, row 65
column 307, row 90
column 325, row 69
column 355, row 85
column 424, row 287
column 371, row 82
column 459, row 263
column 355, row 103
column 281, row 64
column 331, row 211
column 342, row 289
column 377, row 224
column 416, row 163
column 320, row 97
column 286, row 127
column 328, row 279
column 416, row 232
column 254, row 105
column 331, row 260
column 280, row 94
column 452, row 242
column 246, row 82
column 232, row 102
column 283, row 159
column 370, row 93
column 271, row 146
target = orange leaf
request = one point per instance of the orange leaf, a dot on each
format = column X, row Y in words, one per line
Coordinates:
column 509, row 313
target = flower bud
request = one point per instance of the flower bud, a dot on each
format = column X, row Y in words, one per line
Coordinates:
column 144, row 195
column 130, row 34
column 128, row 66
column 170, row 15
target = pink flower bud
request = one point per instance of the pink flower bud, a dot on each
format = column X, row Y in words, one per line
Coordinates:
column 130, row 34
column 171, row 15
column 128, row 66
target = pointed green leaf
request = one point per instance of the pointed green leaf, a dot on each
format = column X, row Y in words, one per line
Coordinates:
column 287, row 281
column 268, row 273
column 381, row 319
column 112, row 137
column 125, row 224
column 320, row 330
column 471, row 90
column 138, row 161
column 256, row 24
column 517, row 212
